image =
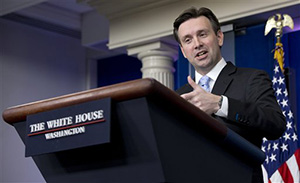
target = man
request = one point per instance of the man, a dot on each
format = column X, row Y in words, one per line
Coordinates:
column 241, row 98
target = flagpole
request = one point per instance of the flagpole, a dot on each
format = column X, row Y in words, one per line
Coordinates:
column 282, row 155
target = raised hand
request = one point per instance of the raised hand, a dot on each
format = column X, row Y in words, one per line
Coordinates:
column 205, row 101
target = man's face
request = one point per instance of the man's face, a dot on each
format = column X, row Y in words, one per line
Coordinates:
column 199, row 43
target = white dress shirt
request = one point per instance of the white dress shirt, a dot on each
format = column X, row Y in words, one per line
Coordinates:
column 213, row 74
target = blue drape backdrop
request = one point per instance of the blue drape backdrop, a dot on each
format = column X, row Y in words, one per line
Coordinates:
column 255, row 50
column 118, row 69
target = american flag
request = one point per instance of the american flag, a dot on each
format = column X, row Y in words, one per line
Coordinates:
column 283, row 155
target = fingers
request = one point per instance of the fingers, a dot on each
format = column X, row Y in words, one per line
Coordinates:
column 192, row 83
column 205, row 101
column 195, row 86
column 197, row 90
column 187, row 96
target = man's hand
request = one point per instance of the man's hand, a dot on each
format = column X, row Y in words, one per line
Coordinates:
column 205, row 101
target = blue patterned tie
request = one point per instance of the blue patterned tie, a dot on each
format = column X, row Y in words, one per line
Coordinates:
column 204, row 83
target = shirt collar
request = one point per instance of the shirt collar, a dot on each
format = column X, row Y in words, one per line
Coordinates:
column 214, row 73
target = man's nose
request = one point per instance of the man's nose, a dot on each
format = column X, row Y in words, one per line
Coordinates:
column 198, row 43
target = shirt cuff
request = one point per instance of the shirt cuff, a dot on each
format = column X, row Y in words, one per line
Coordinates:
column 223, row 111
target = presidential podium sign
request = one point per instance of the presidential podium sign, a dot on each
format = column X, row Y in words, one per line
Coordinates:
column 66, row 128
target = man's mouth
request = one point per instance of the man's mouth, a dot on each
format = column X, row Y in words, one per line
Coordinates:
column 201, row 53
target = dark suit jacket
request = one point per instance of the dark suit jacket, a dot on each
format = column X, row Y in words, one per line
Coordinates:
column 253, row 111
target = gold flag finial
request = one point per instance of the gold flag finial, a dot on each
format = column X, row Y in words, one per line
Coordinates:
column 278, row 23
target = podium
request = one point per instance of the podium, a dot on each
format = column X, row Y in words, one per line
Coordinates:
column 156, row 136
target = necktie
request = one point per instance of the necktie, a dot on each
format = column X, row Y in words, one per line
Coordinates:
column 204, row 83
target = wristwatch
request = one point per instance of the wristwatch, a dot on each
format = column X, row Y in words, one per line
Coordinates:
column 220, row 101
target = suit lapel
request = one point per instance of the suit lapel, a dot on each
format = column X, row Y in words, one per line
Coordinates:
column 224, row 79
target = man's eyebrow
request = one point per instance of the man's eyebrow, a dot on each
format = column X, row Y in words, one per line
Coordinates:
column 202, row 30
column 198, row 32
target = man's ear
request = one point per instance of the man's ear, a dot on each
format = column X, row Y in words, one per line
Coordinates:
column 182, row 51
column 220, row 37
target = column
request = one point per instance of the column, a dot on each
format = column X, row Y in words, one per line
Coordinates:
column 158, row 65
column 157, row 59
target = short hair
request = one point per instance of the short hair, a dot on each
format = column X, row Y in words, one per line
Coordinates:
column 195, row 13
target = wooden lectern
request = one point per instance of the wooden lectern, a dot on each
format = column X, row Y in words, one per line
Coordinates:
column 156, row 136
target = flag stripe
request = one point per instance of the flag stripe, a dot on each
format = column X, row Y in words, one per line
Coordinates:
column 297, row 155
column 293, row 166
column 265, row 174
column 285, row 173
column 276, row 177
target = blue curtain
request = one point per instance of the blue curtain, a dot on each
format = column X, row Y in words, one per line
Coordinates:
column 254, row 50
column 181, row 70
column 291, row 42
column 118, row 69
